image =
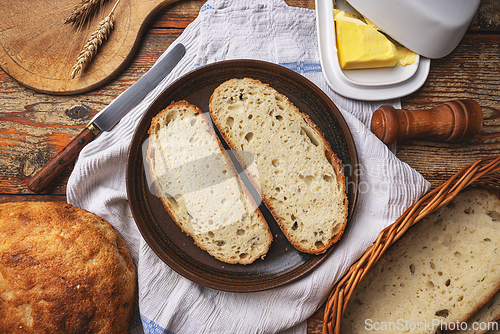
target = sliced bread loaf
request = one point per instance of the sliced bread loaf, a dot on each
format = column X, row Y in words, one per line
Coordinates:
column 438, row 274
column 200, row 188
column 297, row 173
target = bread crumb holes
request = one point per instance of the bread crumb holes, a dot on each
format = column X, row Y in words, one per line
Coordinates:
column 443, row 313
column 249, row 136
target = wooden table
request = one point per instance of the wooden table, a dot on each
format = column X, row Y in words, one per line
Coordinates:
column 36, row 126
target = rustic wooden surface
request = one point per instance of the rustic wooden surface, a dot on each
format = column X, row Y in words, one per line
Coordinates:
column 35, row 126
column 39, row 50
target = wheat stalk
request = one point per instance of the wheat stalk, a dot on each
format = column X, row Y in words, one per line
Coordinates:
column 82, row 14
column 96, row 39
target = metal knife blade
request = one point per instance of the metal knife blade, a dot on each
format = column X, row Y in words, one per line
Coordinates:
column 107, row 118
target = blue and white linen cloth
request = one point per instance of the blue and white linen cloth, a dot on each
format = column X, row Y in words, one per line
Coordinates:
column 268, row 30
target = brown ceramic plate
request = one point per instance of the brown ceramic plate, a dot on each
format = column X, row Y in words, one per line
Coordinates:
column 282, row 263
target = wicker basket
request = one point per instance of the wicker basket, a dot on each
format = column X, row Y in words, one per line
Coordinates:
column 483, row 172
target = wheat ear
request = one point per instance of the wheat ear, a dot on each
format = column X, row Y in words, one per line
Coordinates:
column 96, row 39
column 84, row 12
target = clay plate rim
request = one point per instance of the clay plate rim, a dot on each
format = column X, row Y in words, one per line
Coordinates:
column 282, row 264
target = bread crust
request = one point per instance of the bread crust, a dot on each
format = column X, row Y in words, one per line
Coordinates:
column 180, row 221
column 63, row 270
column 489, row 312
column 337, row 167
column 335, row 162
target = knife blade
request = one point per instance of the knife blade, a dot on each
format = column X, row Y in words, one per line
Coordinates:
column 107, row 118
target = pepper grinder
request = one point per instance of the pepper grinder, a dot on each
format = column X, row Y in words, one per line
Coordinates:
column 449, row 122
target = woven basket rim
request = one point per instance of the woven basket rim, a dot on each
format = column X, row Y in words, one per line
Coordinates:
column 483, row 172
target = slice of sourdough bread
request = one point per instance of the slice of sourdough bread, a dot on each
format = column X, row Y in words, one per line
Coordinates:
column 296, row 172
column 200, row 188
column 439, row 273
column 484, row 320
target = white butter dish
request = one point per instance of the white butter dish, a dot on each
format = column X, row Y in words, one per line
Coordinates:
column 363, row 84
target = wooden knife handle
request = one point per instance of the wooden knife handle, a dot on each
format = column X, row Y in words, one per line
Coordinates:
column 451, row 121
column 44, row 177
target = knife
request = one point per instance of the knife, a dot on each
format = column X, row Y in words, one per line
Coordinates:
column 107, row 118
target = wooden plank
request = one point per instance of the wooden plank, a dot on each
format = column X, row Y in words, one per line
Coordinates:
column 462, row 74
column 36, row 126
column 177, row 15
column 35, row 198
column 487, row 17
column 315, row 322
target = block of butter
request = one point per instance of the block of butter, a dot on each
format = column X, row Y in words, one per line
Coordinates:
column 361, row 45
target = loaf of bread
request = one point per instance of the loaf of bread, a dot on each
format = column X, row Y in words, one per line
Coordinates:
column 200, row 188
column 63, row 270
column 438, row 274
column 296, row 172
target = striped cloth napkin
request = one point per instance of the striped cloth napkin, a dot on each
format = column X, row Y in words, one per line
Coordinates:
column 268, row 30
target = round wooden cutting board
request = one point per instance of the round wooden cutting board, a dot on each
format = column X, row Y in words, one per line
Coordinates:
column 39, row 50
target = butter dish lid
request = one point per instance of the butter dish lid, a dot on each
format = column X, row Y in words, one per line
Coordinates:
column 373, row 84
column 430, row 28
